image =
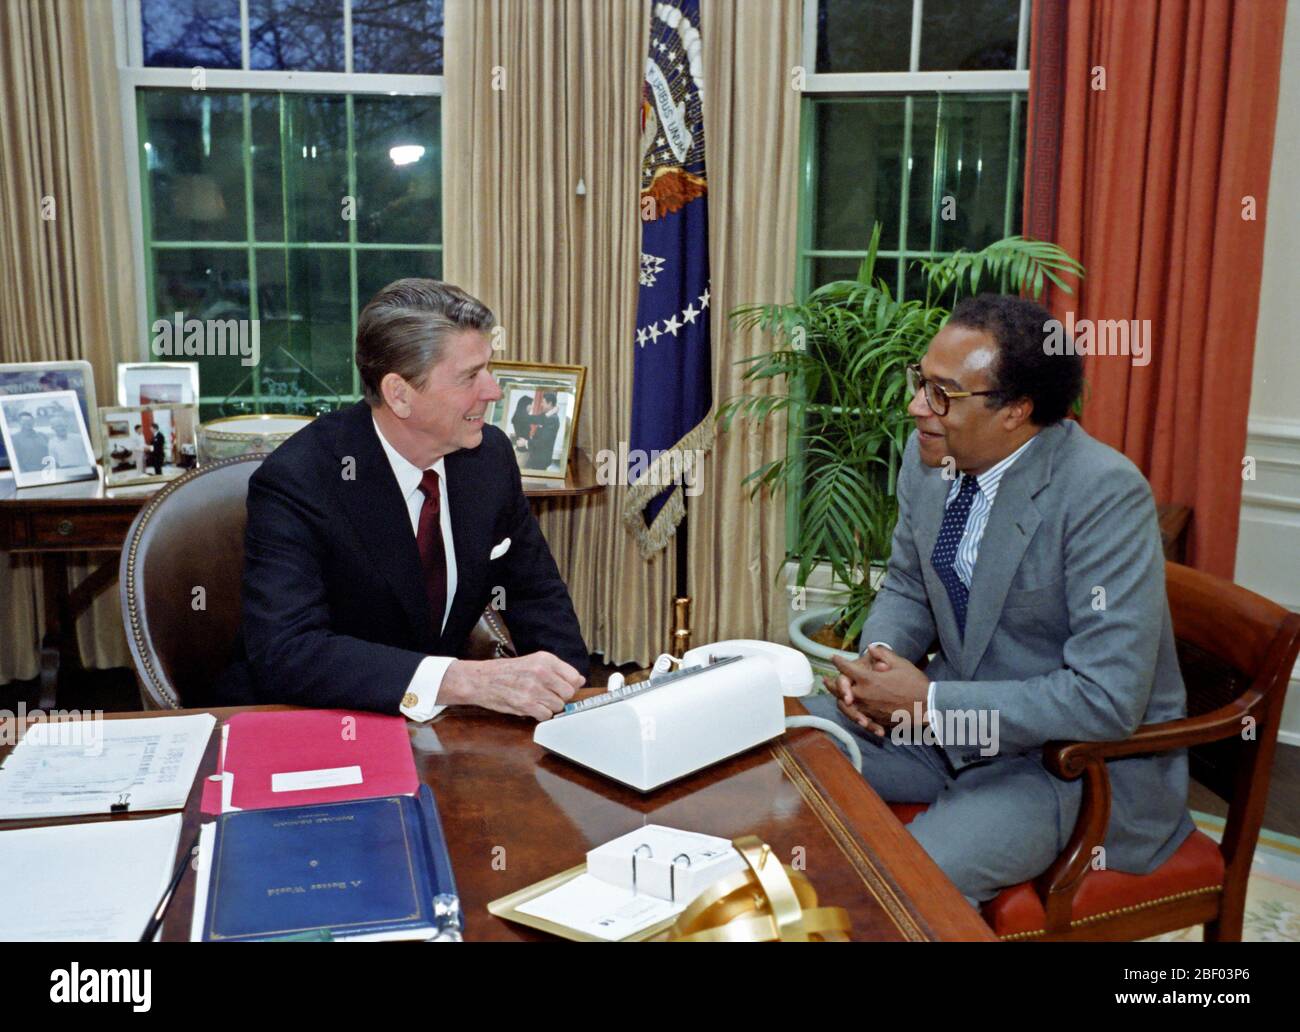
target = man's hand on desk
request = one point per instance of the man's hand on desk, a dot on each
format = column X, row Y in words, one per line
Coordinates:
column 870, row 690
column 534, row 686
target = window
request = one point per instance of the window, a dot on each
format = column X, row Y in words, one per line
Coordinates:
column 914, row 117
column 289, row 166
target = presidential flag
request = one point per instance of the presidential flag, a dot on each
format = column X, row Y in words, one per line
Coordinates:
column 672, row 389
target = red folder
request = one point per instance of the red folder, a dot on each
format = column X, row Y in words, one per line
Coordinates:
column 307, row 742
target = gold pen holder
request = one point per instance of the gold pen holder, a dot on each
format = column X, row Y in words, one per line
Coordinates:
column 766, row 902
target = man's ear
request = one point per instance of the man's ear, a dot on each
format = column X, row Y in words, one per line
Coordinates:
column 396, row 393
column 1017, row 413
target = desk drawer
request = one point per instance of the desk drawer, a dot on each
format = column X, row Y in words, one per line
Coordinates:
column 55, row 529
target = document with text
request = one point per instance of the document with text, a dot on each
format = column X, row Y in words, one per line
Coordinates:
column 67, row 768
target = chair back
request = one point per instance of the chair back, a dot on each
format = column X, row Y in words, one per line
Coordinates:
column 1234, row 646
column 179, row 582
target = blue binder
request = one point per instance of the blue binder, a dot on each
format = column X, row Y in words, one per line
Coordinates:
column 369, row 868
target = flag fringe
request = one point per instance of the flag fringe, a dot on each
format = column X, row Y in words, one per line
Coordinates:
column 652, row 484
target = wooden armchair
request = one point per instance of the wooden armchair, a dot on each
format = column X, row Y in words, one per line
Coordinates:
column 1236, row 651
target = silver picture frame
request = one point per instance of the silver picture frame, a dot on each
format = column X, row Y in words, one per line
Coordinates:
column 46, row 438
column 37, row 377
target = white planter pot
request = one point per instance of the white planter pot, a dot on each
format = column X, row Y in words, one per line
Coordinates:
column 809, row 622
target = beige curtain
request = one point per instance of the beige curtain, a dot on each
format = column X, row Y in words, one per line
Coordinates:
column 751, row 122
column 66, row 286
column 538, row 96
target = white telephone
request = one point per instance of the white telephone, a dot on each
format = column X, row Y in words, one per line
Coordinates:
column 722, row 699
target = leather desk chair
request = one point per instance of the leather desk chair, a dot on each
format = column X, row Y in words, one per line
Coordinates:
column 190, row 536
column 1236, row 650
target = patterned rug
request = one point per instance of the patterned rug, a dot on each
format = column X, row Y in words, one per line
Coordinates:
column 1272, row 894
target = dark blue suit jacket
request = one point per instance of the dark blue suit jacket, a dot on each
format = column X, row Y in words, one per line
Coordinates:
column 334, row 608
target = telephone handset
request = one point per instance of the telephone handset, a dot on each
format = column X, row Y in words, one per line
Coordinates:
column 791, row 665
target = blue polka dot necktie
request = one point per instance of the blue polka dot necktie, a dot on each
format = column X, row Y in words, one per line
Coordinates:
column 944, row 556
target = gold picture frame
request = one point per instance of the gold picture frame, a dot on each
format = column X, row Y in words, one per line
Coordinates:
column 538, row 411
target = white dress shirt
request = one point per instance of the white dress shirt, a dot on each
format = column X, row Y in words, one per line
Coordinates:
column 427, row 679
column 968, row 548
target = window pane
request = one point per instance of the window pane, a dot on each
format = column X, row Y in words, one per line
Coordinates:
column 300, row 167
column 397, row 36
column 399, row 170
column 304, row 302
column 194, row 155
column 376, row 269
column 969, row 137
column 859, row 172
column 296, row 35
column 921, row 182
column 190, row 33
column 969, row 35
column 864, row 35
column 828, row 270
column 204, row 283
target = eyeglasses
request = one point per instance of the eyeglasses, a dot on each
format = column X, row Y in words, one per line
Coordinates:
column 935, row 396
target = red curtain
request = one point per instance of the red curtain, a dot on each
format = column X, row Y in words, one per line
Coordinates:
column 1158, row 184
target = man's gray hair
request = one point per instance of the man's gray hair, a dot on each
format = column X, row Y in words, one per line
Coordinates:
column 404, row 327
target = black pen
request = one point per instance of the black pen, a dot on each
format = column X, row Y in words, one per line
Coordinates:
column 155, row 922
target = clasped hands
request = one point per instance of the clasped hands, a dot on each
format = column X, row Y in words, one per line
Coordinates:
column 870, row 690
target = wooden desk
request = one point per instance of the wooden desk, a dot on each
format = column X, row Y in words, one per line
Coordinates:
column 56, row 521
column 514, row 814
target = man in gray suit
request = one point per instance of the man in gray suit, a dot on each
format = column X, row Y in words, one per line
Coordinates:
column 1027, row 556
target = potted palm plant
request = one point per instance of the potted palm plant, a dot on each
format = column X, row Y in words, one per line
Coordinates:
column 839, row 359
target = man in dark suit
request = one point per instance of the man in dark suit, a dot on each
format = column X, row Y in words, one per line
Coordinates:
column 541, row 446
column 1027, row 558
column 30, row 446
column 157, row 450
column 378, row 534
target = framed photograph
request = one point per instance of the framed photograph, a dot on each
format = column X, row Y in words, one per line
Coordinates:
column 538, row 411
column 46, row 438
column 33, row 377
column 145, row 444
column 157, row 383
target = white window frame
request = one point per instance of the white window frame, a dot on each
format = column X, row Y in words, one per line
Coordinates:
column 913, row 80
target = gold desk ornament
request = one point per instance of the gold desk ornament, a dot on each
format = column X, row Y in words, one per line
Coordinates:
column 767, row 902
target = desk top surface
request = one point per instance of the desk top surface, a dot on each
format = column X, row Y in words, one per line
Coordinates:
column 514, row 814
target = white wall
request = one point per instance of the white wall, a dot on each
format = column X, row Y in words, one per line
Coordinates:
column 1268, row 548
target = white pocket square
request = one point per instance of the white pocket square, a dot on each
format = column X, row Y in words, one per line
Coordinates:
column 500, row 549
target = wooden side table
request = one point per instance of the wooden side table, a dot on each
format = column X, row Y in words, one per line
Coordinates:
column 54, row 522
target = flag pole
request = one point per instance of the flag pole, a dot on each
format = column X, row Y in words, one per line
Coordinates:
column 682, row 601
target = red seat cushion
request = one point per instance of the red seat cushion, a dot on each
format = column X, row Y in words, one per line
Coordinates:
column 908, row 812
column 1196, row 865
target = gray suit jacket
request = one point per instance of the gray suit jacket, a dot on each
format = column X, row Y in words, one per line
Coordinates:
column 1043, row 647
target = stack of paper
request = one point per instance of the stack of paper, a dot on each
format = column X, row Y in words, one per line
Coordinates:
column 105, row 879
column 65, row 768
